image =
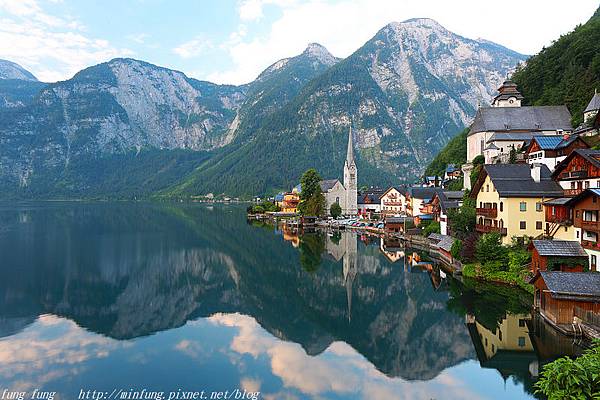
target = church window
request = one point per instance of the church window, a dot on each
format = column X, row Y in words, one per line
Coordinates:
column 337, row 200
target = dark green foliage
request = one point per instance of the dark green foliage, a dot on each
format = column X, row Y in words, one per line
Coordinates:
column 455, row 184
column 335, row 210
column 456, row 249
column 512, row 158
column 566, row 72
column 462, row 220
column 568, row 379
column 312, row 201
column 489, row 249
column 455, row 152
column 265, row 206
column 430, row 227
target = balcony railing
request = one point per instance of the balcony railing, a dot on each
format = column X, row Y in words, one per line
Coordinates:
column 572, row 192
column 489, row 228
column 487, row 212
column 594, row 225
column 588, row 244
column 581, row 174
column 393, row 203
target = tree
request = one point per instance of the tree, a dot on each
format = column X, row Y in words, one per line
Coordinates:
column 311, row 247
column 432, row 227
column 312, row 201
column 576, row 379
column 512, row 157
column 335, row 210
column 456, row 249
column 462, row 220
column 489, row 249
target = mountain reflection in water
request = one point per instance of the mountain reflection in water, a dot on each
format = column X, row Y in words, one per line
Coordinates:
column 326, row 316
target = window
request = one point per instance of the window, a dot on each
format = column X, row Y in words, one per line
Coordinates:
column 598, row 184
column 522, row 225
column 487, row 188
column 501, row 206
column 553, row 210
column 521, row 341
column 522, row 323
column 523, row 206
column 538, row 225
column 538, row 206
column 572, row 185
column 587, row 184
column 577, row 234
column 337, row 200
column 500, row 334
column 593, row 263
column 594, row 199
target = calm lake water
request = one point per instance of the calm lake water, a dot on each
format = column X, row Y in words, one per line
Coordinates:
column 165, row 297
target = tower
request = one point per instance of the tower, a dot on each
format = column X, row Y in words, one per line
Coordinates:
column 350, row 180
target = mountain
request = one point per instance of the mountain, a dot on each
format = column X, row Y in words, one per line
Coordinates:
column 11, row 70
column 405, row 93
column 567, row 72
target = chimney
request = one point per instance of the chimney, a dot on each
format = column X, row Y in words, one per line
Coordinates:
column 536, row 172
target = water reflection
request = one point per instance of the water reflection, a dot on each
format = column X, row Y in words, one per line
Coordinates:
column 256, row 306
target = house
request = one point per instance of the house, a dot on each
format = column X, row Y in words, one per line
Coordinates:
column 580, row 170
column 432, row 181
column 291, row 200
column 591, row 111
column 585, row 214
column 452, row 172
column 557, row 255
column 416, row 197
column 500, row 144
column 346, row 195
column 393, row 201
column 551, row 150
column 509, row 199
column 369, row 201
column 558, row 219
column 394, row 224
column 507, row 117
column 558, row 293
column 442, row 202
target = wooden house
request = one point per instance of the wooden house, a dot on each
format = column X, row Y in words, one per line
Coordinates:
column 585, row 211
column 557, row 255
column 552, row 149
column 558, row 293
column 579, row 171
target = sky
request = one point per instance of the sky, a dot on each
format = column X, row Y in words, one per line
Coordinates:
column 232, row 41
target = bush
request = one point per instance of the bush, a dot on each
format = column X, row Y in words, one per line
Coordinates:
column 566, row 378
column 431, row 227
column 517, row 258
column 489, row 248
column 335, row 210
column 493, row 266
column 456, row 249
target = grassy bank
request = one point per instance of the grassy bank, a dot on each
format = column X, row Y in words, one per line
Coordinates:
column 508, row 277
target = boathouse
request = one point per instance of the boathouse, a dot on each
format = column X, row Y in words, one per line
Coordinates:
column 557, row 255
column 558, row 293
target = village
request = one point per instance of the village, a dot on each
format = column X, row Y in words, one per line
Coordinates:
column 523, row 209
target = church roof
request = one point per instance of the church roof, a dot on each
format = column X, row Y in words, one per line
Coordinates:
column 594, row 104
column 534, row 118
column 350, row 151
column 328, row 184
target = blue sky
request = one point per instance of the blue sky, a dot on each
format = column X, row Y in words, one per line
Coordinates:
column 231, row 41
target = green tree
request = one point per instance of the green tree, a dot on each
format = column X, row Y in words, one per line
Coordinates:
column 431, row 227
column 576, row 379
column 489, row 248
column 456, row 249
column 312, row 201
column 512, row 157
column 311, row 248
column 335, row 210
column 462, row 220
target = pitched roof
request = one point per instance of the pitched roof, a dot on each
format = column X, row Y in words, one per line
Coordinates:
column 510, row 137
column 558, row 202
column 423, row 192
column 561, row 248
column 594, row 104
column 535, row 118
column 444, row 242
column 328, row 184
column 514, row 180
column 554, row 142
column 574, row 200
column 572, row 284
column 592, row 156
column 454, row 194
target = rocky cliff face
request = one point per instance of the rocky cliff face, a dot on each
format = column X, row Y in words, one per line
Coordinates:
column 405, row 93
column 11, row 70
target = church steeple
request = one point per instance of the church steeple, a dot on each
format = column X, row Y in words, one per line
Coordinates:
column 350, row 151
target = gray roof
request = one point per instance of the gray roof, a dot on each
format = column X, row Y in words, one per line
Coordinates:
column 444, row 242
column 514, row 180
column 326, row 185
column 569, row 284
column 423, row 192
column 561, row 201
column 454, row 194
column 510, row 137
column 594, row 104
column 535, row 118
column 561, row 248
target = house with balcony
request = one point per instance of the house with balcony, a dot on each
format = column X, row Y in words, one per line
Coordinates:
column 509, row 199
column 369, row 201
column 558, row 219
column 551, row 150
column 580, row 170
column 585, row 212
column 417, row 199
column 393, row 201
column 441, row 204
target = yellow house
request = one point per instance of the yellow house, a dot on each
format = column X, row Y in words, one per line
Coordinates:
column 509, row 199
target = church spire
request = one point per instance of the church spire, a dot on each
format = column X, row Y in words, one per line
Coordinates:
column 350, row 152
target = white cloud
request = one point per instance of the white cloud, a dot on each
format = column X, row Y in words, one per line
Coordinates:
column 52, row 48
column 193, row 48
column 344, row 26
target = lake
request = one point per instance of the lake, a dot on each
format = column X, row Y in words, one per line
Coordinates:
column 131, row 300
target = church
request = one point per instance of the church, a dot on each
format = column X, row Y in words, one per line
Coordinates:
column 344, row 194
